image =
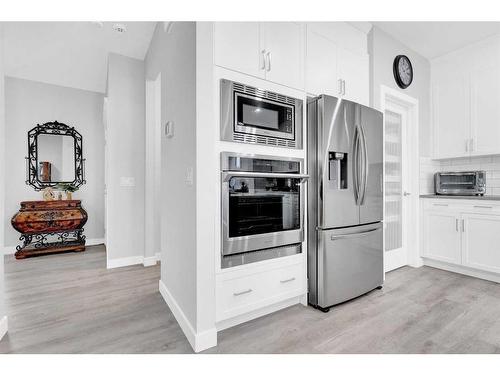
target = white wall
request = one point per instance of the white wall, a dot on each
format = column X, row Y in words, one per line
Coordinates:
column 125, row 141
column 29, row 103
column 3, row 313
column 174, row 55
column 383, row 48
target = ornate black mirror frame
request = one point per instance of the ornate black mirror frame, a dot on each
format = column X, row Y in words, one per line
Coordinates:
column 32, row 158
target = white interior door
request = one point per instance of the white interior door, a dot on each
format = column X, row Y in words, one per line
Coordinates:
column 396, row 187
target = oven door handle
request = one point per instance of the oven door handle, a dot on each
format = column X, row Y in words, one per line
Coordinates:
column 226, row 176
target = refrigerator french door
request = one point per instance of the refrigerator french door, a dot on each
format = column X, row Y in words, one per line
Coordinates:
column 345, row 200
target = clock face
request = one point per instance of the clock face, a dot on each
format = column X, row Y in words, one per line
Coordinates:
column 403, row 71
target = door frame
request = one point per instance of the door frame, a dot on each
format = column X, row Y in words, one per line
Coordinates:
column 152, row 172
column 411, row 229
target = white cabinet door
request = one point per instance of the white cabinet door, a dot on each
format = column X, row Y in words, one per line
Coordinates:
column 450, row 105
column 442, row 236
column 485, row 110
column 284, row 47
column 480, row 242
column 321, row 65
column 354, row 70
column 237, row 46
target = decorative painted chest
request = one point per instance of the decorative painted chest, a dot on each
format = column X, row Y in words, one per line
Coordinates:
column 50, row 227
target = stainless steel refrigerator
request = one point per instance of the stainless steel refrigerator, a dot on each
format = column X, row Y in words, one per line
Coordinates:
column 345, row 200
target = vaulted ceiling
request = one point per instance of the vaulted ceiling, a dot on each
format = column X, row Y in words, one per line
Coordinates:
column 433, row 39
column 72, row 54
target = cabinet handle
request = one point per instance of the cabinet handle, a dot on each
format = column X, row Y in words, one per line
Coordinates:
column 463, row 225
column 343, row 87
column 268, row 58
column 340, row 86
column 483, row 207
column 472, row 144
column 263, row 59
column 241, row 293
column 456, row 225
column 467, row 145
column 287, row 280
column 440, row 204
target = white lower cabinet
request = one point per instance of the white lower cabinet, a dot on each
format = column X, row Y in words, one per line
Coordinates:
column 238, row 293
column 462, row 233
column 442, row 239
column 481, row 242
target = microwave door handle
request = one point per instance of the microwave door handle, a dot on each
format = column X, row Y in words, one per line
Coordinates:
column 226, row 176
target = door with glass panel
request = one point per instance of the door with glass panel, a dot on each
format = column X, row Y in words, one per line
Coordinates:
column 396, row 183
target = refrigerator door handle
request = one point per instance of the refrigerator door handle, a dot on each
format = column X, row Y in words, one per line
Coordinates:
column 355, row 165
column 358, row 234
column 364, row 169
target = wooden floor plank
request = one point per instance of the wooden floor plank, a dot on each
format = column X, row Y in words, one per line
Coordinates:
column 70, row 303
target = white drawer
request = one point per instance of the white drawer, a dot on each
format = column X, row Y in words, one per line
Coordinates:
column 239, row 295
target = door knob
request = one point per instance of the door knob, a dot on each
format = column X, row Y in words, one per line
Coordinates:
column 406, row 193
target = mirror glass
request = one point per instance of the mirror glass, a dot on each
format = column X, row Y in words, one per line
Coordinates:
column 56, row 158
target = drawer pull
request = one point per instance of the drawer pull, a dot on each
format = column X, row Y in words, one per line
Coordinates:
column 241, row 293
column 483, row 207
column 287, row 280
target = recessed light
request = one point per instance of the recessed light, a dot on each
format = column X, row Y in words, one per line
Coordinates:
column 119, row 27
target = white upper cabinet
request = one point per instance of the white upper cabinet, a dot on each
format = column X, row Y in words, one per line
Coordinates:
column 283, row 43
column 237, row 47
column 353, row 71
column 450, row 117
column 485, row 110
column 465, row 104
column 332, row 69
column 329, row 58
column 321, row 66
column 269, row 50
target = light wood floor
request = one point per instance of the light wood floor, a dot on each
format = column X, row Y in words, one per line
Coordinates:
column 70, row 303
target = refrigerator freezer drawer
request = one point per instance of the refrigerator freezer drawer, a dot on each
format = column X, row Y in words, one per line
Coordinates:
column 350, row 263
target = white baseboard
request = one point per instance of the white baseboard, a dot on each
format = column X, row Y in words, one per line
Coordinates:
column 485, row 275
column 8, row 250
column 151, row 261
column 199, row 341
column 3, row 326
column 124, row 262
column 94, row 241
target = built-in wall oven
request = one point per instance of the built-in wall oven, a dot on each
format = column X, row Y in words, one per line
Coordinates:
column 262, row 207
column 252, row 115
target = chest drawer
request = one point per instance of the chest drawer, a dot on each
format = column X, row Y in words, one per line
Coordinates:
column 239, row 295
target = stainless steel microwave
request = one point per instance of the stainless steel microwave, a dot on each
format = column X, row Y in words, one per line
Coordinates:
column 460, row 183
column 252, row 115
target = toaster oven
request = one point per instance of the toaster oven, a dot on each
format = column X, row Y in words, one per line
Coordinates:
column 460, row 183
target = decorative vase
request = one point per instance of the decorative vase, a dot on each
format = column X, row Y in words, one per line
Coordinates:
column 69, row 195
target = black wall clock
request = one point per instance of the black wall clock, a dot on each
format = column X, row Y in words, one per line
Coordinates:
column 403, row 71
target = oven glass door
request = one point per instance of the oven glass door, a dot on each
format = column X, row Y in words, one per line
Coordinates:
column 262, row 213
column 256, row 115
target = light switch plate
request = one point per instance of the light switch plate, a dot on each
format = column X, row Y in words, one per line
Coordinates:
column 169, row 129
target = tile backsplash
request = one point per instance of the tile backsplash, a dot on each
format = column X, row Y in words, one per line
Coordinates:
column 490, row 164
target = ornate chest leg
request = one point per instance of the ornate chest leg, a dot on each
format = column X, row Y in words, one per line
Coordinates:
column 26, row 238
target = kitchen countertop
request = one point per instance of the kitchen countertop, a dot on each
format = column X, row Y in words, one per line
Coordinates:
column 478, row 197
